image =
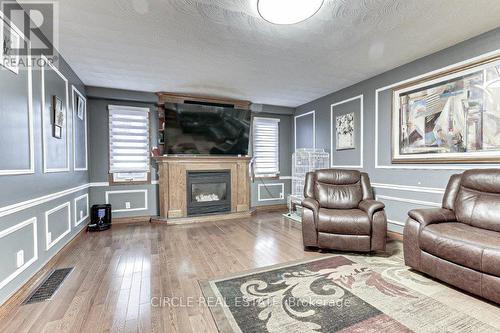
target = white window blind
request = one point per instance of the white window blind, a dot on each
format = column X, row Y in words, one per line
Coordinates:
column 266, row 146
column 128, row 141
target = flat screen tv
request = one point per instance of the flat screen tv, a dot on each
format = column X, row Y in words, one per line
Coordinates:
column 195, row 128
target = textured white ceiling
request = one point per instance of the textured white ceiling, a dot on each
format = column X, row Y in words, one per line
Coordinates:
column 222, row 47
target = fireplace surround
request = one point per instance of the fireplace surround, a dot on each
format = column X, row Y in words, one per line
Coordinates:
column 173, row 191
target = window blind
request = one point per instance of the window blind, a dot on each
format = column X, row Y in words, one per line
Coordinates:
column 265, row 136
column 128, row 139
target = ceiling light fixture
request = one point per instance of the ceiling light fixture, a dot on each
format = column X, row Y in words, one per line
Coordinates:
column 288, row 11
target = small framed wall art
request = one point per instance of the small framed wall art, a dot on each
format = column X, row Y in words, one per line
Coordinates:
column 58, row 116
column 345, row 126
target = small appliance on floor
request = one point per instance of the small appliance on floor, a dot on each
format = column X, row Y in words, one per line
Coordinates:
column 100, row 218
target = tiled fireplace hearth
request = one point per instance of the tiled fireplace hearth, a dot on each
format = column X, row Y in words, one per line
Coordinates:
column 203, row 188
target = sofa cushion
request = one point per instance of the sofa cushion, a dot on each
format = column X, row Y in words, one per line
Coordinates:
column 478, row 200
column 344, row 221
column 462, row 244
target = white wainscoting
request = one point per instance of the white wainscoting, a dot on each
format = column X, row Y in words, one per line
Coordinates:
column 282, row 191
column 143, row 191
column 405, row 200
column 28, row 263
column 53, row 242
column 409, row 188
column 81, row 197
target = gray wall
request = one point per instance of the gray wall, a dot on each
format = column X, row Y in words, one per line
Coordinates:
column 142, row 198
column 100, row 98
column 28, row 197
column 400, row 187
column 276, row 188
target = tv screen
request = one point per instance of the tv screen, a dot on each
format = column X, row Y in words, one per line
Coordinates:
column 206, row 129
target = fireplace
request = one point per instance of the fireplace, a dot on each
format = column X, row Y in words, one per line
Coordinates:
column 208, row 192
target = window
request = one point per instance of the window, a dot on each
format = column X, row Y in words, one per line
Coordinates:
column 128, row 143
column 266, row 146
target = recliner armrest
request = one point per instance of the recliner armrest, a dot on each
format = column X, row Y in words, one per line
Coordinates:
column 433, row 215
column 370, row 207
column 311, row 204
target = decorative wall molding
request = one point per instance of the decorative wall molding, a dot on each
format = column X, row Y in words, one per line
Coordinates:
column 144, row 191
column 86, row 197
column 17, row 207
column 282, row 191
column 361, row 138
column 53, row 242
column 412, row 201
column 99, row 184
column 398, row 199
column 399, row 224
column 31, row 168
column 295, row 128
column 409, row 188
column 44, row 141
column 430, row 166
column 75, row 92
column 28, row 263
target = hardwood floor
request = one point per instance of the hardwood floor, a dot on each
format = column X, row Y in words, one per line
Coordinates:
column 121, row 275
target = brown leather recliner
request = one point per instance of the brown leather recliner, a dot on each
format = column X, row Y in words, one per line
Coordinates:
column 340, row 213
column 460, row 242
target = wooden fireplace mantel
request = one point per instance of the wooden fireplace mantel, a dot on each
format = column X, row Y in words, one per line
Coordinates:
column 173, row 189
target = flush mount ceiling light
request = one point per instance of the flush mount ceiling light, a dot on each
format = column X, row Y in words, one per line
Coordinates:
column 288, row 11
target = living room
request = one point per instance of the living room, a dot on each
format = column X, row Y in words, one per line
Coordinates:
column 250, row 166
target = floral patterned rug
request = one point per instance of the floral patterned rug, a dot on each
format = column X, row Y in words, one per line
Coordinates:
column 340, row 293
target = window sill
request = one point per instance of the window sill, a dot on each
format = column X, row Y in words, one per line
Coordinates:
column 267, row 177
column 113, row 182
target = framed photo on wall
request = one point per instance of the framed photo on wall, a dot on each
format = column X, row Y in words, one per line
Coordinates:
column 344, row 127
column 452, row 117
column 80, row 107
column 11, row 43
column 58, row 116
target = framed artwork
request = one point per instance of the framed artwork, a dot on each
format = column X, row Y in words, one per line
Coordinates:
column 11, row 43
column 80, row 107
column 344, row 126
column 452, row 117
column 59, row 117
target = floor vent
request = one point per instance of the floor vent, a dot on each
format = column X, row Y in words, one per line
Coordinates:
column 49, row 286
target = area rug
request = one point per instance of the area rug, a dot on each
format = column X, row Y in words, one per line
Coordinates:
column 335, row 293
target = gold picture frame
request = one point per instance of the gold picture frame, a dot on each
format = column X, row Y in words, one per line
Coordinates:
column 449, row 117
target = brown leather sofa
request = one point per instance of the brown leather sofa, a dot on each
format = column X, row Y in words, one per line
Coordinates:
column 340, row 213
column 460, row 242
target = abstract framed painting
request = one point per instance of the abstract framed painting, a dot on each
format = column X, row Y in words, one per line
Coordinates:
column 451, row 117
column 344, row 126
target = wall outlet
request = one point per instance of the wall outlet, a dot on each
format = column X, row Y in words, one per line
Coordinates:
column 127, row 205
column 19, row 258
column 81, row 214
column 49, row 237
